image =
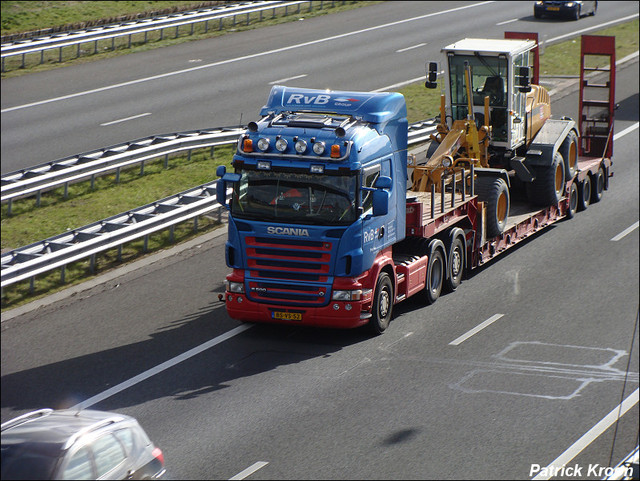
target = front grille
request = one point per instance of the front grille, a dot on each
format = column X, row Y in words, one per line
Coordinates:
column 290, row 272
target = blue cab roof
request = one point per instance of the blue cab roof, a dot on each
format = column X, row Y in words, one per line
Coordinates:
column 373, row 107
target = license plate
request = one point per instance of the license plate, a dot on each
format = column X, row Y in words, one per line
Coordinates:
column 287, row 316
column 553, row 9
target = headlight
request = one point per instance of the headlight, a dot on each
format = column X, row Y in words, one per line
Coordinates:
column 318, row 148
column 301, row 146
column 235, row 287
column 347, row 295
column 263, row 144
column 447, row 161
column 281, row 145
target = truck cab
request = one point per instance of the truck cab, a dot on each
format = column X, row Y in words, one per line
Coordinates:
column 318, row 195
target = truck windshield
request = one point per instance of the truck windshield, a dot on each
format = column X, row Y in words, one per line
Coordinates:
column 295, row 198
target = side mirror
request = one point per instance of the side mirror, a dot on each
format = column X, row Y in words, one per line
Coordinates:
column 432, row 76
column 383, row 182
column 221, row 185
column 380, row 202
column 523, row 79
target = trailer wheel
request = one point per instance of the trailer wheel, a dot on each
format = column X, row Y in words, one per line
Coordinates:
column 585, row 193
column 569, row 151
column 548, row 186
column 435, row 276
column 598, row 186
column 573, row 201
column 455, row 264
column 495, row 193
column 382, row 304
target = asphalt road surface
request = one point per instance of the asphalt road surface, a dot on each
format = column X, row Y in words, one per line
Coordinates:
column 224, row 400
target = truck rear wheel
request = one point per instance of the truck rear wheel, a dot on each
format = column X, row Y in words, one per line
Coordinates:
column 435, row 276
column 573, row 201
column 495, row 193
column 569, row 151
column 455, row 265
column 598, row 186
column 585, row 193
column 548, row 186
column 382, row 304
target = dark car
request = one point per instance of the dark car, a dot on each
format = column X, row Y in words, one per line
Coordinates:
column 572, row 10
column 72, row 444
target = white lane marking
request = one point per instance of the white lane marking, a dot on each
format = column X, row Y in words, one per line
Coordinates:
column 589, row 436
column 240, row 59
column 595, row 27
column 250, row 470
column 626, row 131
column 161, row 367
column 476, row 329
column 401, row 84
column 411, row 48
column 124, row 120
column 508, row 21
column 287, row 79
column 628, row 230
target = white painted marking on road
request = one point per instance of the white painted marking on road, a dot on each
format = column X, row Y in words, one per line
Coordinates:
column 250, row 470
column 243, row 58
column 628, row 230
column 626, row 131
column 282, row 80
column 124, row 120
column 595, row 27
column 161, row 367
column 411, row 48
column 508, row 21
column 589, row 436
column 401, row 84
column 476, row 329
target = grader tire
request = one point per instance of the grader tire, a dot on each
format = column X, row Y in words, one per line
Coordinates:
column 569, row 151
column 549, row 184
column 495, row 193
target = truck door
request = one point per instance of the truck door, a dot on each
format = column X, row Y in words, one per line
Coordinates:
column 518, row 107
column 374, row 234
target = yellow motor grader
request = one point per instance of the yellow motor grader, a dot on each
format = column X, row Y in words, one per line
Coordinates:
column 495, row 117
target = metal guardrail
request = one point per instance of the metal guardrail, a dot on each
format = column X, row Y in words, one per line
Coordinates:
column 51, row 175
column 60, row 250
column 144, row 26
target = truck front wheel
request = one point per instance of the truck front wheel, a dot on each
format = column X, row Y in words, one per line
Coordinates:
column 382, row 304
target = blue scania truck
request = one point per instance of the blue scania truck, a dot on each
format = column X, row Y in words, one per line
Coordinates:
column 323, row 230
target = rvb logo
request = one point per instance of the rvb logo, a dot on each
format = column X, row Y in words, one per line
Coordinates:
column 303, row 99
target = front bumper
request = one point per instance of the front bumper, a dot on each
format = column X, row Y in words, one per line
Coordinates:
column 337, row 314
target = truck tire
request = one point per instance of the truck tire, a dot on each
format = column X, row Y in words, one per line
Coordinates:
column 435, row 276
column 598, row 186
column 569, row 151
column 382, row 304
column 455, row 261
column 549, row 184
column 495, row 193
column 573, row 201
column 584, row 197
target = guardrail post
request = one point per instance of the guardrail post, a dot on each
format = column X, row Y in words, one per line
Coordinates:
column 142, row 168
column 171, row 231
column 92, row 263
column 177, row 33
column 66, row 190
column 248, row 19
column 206, row 26
column 95, row 49
column 9, row 205
column 118, row 175
column 146, row 243
column 42, row 55
column 166, row 161
column 62, row 274
column 129, row 43
column 38, row 196
column 195, row 224
column 212, row 151
column 189, row 156
column 113, row 43
column 161, row 33
column 93, row 181
column 22, row 60
column 119, row 257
